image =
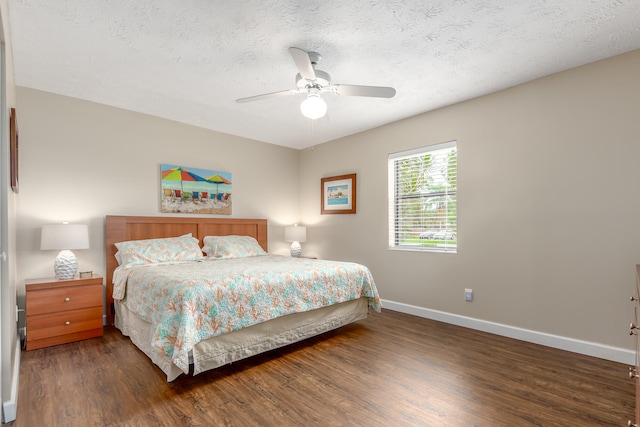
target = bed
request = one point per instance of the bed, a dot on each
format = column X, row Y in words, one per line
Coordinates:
column 190, row 313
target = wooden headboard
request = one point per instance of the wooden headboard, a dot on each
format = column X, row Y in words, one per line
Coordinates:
column 122, row 228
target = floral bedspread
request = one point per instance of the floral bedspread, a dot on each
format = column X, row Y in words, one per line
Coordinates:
column 191, row 301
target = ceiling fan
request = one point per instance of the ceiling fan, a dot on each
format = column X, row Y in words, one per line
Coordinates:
column 314, row 82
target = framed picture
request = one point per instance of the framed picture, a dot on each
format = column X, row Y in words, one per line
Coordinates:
column 338, row 194
column 13, row 149
column 195, row 191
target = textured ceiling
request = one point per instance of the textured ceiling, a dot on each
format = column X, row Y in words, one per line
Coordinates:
column 188, row 60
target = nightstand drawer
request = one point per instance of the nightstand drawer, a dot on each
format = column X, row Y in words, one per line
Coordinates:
column 63, row 299
column 68, row 322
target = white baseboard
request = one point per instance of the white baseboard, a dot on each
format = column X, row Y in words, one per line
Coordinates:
column 601, row 351
column 9, row 407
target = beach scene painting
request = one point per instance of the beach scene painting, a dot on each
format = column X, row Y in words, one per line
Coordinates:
column 338, row 194
column 195, row 191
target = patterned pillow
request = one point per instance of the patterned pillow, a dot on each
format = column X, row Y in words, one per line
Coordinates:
column 232, row 247
column 149, row 251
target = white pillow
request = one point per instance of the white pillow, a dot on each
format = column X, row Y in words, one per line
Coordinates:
column 149, row 251
column 232, row 247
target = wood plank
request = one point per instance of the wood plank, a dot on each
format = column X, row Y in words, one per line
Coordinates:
column 391, row 369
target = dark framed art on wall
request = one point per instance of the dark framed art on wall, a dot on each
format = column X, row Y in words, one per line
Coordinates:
column 13, row 149
column 338, row 194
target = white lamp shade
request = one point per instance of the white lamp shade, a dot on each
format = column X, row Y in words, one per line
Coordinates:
column 295, row 233
column 64, row 236
column 313, row 107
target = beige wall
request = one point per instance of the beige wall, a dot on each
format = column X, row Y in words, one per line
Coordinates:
column 549, row 205
column 81, row 161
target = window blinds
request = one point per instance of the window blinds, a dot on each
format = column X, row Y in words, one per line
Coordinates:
column 423, row 198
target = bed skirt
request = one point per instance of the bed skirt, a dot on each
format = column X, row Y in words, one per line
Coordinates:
column 246, row 342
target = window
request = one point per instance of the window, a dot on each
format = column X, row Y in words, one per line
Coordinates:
column 423, row 199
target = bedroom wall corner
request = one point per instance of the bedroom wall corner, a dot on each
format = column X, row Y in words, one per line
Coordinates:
column 81, row 161
column 548, row 230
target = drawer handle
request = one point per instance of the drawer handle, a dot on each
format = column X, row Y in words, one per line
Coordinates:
column 67, row 299
column 67, row 323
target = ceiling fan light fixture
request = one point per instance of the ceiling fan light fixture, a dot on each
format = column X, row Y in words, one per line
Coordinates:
column 313, row 107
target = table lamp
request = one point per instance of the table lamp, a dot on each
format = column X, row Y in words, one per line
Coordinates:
column 64, row 237
column 295, row 234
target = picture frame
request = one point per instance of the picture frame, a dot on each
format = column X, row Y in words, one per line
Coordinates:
column 338, row 194
column 13, row 149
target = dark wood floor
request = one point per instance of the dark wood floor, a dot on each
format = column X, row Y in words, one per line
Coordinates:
column 389, row 370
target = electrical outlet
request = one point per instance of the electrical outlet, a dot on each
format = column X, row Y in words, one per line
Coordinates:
column 468, row 294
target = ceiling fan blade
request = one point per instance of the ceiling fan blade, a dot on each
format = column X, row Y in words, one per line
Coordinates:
column 303, row 62
column 267, row 96
column 354, row 90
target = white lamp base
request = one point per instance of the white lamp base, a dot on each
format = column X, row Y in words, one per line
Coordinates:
column 66, row 265
column 296, row 250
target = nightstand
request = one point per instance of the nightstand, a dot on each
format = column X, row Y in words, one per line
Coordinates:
column 63, row 311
